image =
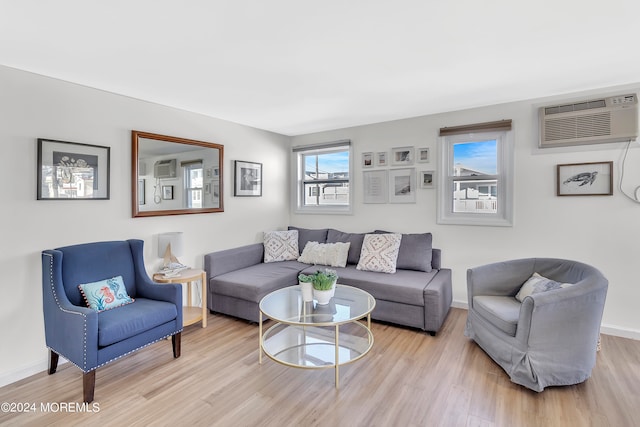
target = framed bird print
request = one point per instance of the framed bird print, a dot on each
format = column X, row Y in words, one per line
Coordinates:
column 585, row 179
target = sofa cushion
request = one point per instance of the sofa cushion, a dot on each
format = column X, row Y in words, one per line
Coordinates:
column 105, row 294
column 280, row 246
column 415, row 251
column 404, row 286
column 536, row 284
column 380, row 252
column 502, row 312
column 355, row 239
column 331, row 254
column 253, row 283
column 306, row 235
column 133, row 319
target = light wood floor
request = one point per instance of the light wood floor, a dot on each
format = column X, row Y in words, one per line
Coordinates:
column 408, row 379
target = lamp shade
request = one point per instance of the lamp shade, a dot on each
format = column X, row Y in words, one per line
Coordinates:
column 172, row 238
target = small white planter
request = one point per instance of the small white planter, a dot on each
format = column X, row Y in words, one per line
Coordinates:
column 307, row 291
column 323, row 297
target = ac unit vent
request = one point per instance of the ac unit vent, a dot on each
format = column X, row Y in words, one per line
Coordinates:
column 593, row 121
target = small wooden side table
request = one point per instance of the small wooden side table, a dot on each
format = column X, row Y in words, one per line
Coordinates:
column 190, row 314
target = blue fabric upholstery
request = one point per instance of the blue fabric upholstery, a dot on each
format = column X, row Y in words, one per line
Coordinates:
column 132, row 319
column 87, row 338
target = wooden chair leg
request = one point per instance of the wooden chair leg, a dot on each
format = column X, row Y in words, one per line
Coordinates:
column 53, row 361
column 88, row 385
column 175, row 343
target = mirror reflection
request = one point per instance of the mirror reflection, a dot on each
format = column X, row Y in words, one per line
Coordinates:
column 174, row 176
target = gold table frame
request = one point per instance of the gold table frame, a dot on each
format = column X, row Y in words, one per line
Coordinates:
column 309, row 326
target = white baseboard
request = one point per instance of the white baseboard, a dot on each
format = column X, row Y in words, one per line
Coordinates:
column 27, row 371
column 616, row 331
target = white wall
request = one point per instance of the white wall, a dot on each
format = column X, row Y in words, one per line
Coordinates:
column 32, row 107
column 597, row 230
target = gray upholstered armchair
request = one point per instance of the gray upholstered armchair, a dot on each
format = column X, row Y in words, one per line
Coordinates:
column 548, row 339
column 90, row 338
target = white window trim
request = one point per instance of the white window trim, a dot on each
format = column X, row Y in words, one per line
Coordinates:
column 504, row 216
column 297, row 190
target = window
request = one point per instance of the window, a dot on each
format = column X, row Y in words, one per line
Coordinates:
column 193, row 173
column 476, row 175
column 323, row 177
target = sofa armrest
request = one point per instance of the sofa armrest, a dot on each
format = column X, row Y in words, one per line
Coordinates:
column 225, row 261
column 572, row 313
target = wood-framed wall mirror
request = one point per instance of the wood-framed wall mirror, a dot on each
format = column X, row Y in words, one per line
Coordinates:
column 175, row 176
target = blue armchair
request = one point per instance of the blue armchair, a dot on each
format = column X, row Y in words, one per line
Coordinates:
column 90, row 338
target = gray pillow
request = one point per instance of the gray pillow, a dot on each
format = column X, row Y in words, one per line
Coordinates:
column 306, row 235
column 415, row 252
column 355, row 239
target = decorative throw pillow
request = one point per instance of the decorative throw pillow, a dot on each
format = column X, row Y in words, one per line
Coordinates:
column 281, row 246
column 536, row 284
column 105, row 294
column 333, row 254
column 380, row 252
column 415, row 252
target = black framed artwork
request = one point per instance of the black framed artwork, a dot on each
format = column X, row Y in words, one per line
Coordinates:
column 72, row 171
column 247, row 179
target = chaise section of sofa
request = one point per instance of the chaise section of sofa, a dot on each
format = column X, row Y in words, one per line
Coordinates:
column 417, row 295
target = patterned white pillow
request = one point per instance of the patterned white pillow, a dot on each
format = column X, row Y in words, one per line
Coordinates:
column 280, row 245
column 380, row 252
column 536, row 284
column 333, row 254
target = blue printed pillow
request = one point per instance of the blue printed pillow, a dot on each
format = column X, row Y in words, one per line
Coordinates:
column 105, row 294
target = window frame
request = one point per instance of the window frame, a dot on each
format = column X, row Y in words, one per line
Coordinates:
column 187, row 189
column 504, row 178
column 298, row 169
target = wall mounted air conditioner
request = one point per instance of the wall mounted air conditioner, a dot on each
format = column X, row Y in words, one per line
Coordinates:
column 594, row 121
column 165, row 169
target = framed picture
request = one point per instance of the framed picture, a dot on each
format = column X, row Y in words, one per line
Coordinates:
column 381, row 158
column 72, row 171
column 585, row 179
column 375, row 186
column 167, row 192
column 401, row 156
column 367, row 160
column 423, row 155
column 402, row 185
column 425, row 178
column 247, row 179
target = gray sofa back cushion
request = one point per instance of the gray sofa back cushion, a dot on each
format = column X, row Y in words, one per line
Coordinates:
column 355, row 239
column 306, row 235
column 415, row 252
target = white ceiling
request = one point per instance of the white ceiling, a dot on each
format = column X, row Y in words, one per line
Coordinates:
column 301, row 66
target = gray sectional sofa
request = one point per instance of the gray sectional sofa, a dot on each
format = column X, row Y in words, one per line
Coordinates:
column 417, row 295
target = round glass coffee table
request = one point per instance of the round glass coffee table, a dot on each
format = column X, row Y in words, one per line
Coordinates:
column 312, row 336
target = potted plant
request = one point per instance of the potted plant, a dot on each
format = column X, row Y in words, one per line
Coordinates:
column 323, row 285
column 306, row 286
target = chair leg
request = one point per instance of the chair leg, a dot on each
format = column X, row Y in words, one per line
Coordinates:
column 88, row 385
column 53, row 361
column 175, row 343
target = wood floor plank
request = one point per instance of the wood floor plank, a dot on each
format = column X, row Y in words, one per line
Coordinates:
column 408, row 379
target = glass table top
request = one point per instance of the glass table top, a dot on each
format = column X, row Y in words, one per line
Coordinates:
column 286, row 306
